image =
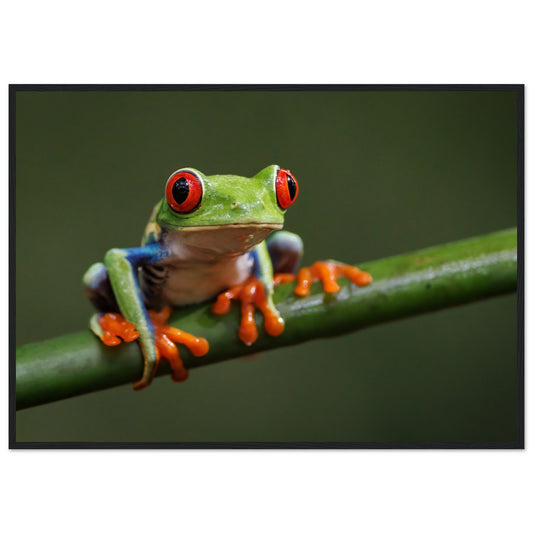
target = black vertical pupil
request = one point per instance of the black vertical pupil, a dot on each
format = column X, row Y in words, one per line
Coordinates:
column 180, row 190
column 292, row 186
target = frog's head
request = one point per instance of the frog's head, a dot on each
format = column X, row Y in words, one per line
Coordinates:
column 228, row 212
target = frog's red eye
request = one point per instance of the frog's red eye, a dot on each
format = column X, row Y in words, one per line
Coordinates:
column 184, row 191
column 286, row 188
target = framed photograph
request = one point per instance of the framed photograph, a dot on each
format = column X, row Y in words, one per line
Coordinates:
column 420, row 186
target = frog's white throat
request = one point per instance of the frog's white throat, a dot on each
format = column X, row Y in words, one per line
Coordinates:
column 212, row 243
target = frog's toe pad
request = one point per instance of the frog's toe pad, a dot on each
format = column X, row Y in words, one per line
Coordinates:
column 327, row 272
column 251, row 294
column 283, row 277
column 115, row 329
column 166, row 337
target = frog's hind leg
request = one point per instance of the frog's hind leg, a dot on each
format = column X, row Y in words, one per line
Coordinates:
column 108, row 325
column 285, row 250
column 98, row 289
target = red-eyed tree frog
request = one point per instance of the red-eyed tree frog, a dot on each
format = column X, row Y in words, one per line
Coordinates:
column 209, row 236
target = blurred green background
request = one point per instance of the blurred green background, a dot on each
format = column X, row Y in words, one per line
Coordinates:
column 380, row 173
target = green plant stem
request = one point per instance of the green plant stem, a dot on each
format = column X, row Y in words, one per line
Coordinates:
column 405, row 285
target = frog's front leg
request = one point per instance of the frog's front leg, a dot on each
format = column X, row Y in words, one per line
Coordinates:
column 280, row 253
column 156, row 338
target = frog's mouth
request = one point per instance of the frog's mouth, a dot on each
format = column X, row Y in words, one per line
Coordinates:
column 225, row 239
column 239, row 225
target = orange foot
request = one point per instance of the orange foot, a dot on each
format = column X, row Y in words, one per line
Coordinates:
column 325, row 271
column 165, row 338
column 115, row 325
column 252, row 294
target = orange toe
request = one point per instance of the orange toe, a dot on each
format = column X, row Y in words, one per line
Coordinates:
column 359, row 277
column 283, row 277
column 305, row 278
column 326, row 272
